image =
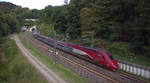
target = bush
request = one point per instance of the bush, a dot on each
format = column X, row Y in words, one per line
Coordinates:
column 101, row 43
column 9, row 49
column 121, row 49
column 4, row 29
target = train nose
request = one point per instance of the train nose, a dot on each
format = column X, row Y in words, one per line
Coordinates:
column 115, row 66
column 115, row 63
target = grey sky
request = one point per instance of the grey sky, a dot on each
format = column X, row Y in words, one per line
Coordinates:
column 38, row 4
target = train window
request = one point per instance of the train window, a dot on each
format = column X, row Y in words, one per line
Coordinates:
column 111, row 57
column 90, row 49
column 60, row 45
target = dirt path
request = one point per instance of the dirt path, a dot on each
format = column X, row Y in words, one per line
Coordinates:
column 51, row 76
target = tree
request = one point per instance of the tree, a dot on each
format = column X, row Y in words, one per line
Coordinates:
column 73, row 19
column 87, row 21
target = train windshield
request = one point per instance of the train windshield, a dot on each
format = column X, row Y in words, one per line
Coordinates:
column 112, row 58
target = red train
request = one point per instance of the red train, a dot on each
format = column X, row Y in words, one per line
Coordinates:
column 99, row 57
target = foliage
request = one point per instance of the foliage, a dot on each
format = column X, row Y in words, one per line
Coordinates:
column 8, row 24
column 87, row 21
column 45, row 29
column 110, row 20
column 6, row 7
column 12, row 17
column 121, row 21
column 119, row 49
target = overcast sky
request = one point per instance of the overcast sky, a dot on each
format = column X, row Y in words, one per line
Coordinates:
column 38, row 4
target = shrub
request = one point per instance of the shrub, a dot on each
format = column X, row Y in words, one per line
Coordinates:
column 101, row 43
column 119, row 48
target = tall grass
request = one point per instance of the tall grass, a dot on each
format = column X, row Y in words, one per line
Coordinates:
column 14, row 68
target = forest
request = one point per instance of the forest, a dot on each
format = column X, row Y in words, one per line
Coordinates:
column 120, row 26
column 125, row 24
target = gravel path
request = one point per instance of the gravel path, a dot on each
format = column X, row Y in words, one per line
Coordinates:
column 51, row 76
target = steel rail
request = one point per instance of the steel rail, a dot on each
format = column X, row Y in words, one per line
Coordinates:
column 132, row 77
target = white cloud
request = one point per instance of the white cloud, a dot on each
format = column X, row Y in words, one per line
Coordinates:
column 38, row 4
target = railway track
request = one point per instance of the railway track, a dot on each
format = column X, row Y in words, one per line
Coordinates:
column 132, row 77
column 100, row 75
column 115, row 77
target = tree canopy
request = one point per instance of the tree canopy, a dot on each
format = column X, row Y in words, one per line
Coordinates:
column 114, row 21
column 12, row 18
column 111, row 20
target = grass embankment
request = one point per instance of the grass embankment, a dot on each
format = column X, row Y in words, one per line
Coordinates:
column 67, row 74
column 14, row 68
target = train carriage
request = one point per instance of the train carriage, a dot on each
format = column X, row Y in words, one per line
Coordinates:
column 99, row 57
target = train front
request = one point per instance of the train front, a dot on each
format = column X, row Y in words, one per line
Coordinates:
column 110, row 62
column 114, row 64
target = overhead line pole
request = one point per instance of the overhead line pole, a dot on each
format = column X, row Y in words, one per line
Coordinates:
column 54, row 45
column 92, row 39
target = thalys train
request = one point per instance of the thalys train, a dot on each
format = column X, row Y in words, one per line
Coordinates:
column 96, row 56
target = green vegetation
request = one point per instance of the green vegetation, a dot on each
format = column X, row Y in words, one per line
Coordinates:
column 8, row 24
column 12, row 17
column 62, row 71
column 14, row 68
column 121, row 27
column 121, row 51
column 47, row 31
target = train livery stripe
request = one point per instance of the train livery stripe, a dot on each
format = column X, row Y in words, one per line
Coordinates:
column 80, row 52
